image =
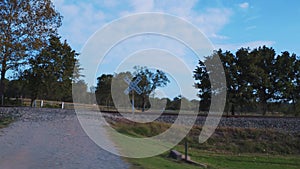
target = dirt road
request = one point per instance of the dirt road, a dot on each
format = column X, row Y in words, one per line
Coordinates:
column 52, row 140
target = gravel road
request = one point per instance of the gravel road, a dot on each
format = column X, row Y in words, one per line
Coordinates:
column 51, row 139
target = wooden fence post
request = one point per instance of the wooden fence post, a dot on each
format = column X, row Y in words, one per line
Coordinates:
column 34, row 103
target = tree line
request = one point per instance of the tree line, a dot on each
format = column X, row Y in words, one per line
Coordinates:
column 149, row 81
column 258, row 80
column 44, row 66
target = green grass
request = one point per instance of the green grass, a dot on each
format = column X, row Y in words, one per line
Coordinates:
column 5, row 121
column 159, row 162
column 238, row 140
column 228, row 148
column 244, row 161
column 219, row 161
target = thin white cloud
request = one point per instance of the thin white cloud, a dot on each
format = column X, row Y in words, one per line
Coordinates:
column 219, row 36
column 250, row 19
column 244, row 5
column 250, row 27
column 212, row 21
column 82, row 19
column 109, row 3
column 142, row 5
column 251, row 45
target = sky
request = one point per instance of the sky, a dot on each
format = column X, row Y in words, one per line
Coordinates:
column 228, row 25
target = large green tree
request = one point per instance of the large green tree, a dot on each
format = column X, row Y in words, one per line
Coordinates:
column 51, row 73
column 229, row 62
column 262, row 75
column 287, row 78
column 103, row 90
column 25, row 27
column 244, row 77
column 256, row 80
column 203, row 84
column 210, row 81
column 151, row 80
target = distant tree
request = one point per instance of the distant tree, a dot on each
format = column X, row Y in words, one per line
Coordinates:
column 118, row 87
column 103, row 90
column 262, row 75
column 244, row 74
column 80, row 94
column 14, row 89
column 256, row 78
column 174, row 104
column 297, row 84
column 287, row 78
column 210, row 80
column 203, row 84
column 181, row 103
column 25, row 27
column 51, row 73
column 233, row 98
column 150, row 81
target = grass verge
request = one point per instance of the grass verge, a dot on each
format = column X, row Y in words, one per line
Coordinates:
column 5, row 121
column 228, row 148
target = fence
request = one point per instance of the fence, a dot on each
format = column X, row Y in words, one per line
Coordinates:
column 69, row 105
column 54, row 104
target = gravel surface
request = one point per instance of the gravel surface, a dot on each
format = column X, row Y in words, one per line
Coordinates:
column 290, row 125
column 50, row 139
column 282, row 124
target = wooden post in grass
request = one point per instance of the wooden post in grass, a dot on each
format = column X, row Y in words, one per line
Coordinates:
column 132, row 102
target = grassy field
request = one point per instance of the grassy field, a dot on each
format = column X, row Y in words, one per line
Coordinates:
column 228, row 148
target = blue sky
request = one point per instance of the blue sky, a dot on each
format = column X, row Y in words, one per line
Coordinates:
column 228, row 24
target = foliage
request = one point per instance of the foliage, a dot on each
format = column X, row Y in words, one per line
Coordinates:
column 26, row 26
column 201, row 75
column 51, row 73
column 150, row 81
column 255, row 79
column 103, row 90
column 80, row 94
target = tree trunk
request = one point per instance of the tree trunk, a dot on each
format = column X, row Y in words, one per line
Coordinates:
column 264, row 107
column 143, row 104
column 232, row 109
column 227, row 108
column 294, row 103
column 2, row 83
